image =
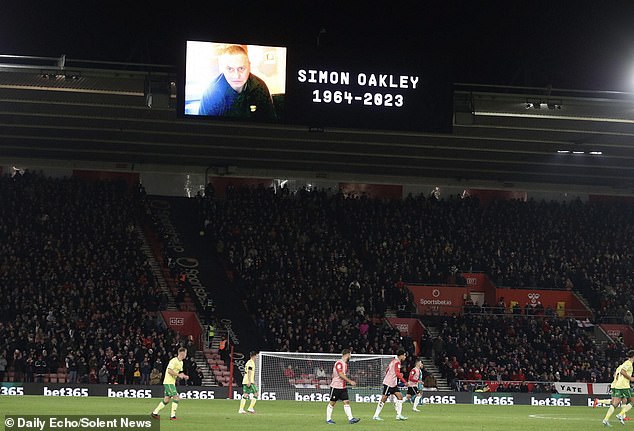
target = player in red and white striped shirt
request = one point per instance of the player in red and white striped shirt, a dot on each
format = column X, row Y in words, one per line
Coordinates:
column 390, row 387
column 339, row 390
column 414, row 383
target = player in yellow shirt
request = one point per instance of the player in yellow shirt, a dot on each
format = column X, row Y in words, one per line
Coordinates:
column 621, row 392
column 249, row 389
column 173, row 371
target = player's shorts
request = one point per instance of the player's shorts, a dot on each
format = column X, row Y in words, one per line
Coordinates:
column 338, row 394
column 389, row 390
column 413, row 391
column 249, row 389
column 621, row 393
column 170, row 390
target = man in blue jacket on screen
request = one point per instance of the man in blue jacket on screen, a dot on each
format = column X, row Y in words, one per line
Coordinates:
column 236, row 92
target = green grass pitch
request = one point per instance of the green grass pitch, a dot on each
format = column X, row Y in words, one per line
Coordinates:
column 221, row 415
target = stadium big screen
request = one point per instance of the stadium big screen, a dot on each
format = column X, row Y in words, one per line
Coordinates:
column 370, row 89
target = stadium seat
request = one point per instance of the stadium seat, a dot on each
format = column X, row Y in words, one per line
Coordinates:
column 52, row 377
column 10, row 376
column 61, row 377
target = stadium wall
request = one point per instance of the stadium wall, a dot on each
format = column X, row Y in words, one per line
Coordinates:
column 300, row 395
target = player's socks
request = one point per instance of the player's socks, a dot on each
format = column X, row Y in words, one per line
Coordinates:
column 174, row 407
column 416, row 401
column 243, row 402
column 252, row 405
column 626, row 408
column 329, row 409
column 609, row 413
column 348, row 410
column 159, row 407
column 398, row 406
column 379, row 407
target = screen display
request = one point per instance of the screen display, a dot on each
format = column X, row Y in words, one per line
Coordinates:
column 234, row 80
column 320, row 88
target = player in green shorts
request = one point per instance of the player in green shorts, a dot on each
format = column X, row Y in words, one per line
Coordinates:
column 621, row 392
column 249, row 390
column 174, row 370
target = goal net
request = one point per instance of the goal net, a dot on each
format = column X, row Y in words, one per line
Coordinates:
column 307, row 376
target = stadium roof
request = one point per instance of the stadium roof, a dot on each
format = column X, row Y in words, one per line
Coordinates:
column 502, row 135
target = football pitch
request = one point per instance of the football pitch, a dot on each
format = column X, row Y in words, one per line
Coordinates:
column 221, row 415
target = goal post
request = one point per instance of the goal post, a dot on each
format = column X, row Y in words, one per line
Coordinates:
column 303, row 376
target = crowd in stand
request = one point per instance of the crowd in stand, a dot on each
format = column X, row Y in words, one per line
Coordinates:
column 316, row 266
column 305, row 284
column 78, row 293
column 318, row 270
column 584, row 246
column 548, row 245
column 521, row 349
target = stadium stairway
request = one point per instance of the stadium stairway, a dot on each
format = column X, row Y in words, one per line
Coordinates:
column 208, row 376
column 212, row 275
column 157, row 270
column 428, row 363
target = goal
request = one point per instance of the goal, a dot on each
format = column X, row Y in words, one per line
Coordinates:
column 306, row 376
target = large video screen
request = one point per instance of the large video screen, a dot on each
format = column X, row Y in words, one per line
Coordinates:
column 234, row 80
column 319, row 88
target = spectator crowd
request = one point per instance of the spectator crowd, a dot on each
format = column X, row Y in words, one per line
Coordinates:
column 318, row 271
column 316, row 267
column 491, row 347
column 78, row 293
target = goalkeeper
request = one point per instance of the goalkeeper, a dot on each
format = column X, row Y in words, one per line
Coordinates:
column 249, row 390
column 414, row 384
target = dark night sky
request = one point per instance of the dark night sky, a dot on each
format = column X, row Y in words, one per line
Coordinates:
column 581, row 44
